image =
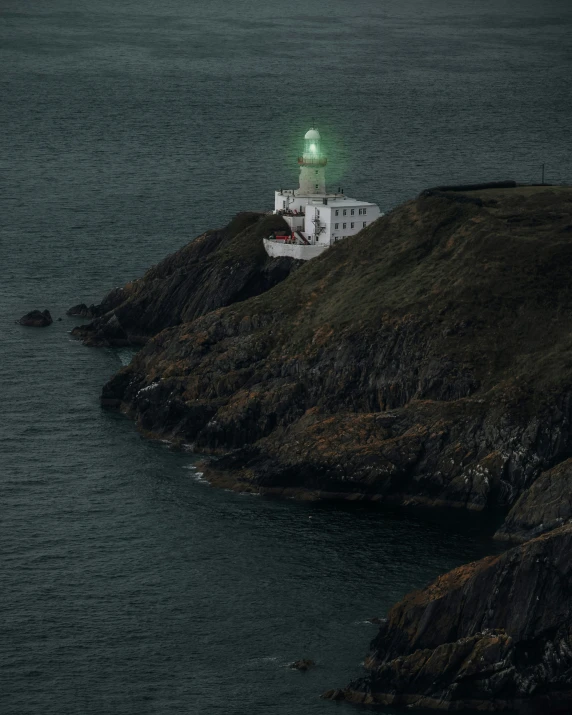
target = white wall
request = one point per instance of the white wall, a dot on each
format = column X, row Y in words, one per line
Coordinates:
column 296, row 223
column 312, row 180
column 292, row 250
column 323, row 212
column 311, row 204
column 358, row 219
column 288, row 198
column 327, row 216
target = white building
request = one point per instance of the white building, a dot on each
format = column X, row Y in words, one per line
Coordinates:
column 317, row 219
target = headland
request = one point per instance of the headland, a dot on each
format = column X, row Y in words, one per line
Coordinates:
column 424, row 361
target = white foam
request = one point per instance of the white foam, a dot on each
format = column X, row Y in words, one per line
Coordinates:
column 125, row 356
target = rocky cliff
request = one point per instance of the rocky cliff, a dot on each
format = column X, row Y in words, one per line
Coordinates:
column 492, row 635
column 216, row 269
column 426, row 361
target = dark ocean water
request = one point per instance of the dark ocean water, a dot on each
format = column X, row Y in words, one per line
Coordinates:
column 128, row 586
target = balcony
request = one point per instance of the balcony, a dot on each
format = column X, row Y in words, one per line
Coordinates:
column 312, row 161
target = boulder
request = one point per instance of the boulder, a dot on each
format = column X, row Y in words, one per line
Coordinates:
column 81, row 311
column 36, row 319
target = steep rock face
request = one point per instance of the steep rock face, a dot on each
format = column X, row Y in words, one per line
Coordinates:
column 217, row 269
column 426, row 360
column 492, row 635
column 546, row 505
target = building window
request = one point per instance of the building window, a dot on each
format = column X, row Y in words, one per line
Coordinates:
column 364, row 224
column 364, row 211
column 345, row 212
column 353, row 224
column 337, row 212
column 337, row 225
column 316, row 185
column 316, row 172
column 353, row 212
column 283, row 204
column 345, row 225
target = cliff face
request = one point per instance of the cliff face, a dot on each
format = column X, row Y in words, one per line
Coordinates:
column 426, row 360
column 217, row 269
column 492, row 635
column 545, row 505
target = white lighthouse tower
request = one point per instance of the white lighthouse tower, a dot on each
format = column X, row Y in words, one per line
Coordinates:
column 312, row 165
column 316, row 218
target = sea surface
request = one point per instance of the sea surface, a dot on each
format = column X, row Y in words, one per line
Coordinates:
column 127, row 584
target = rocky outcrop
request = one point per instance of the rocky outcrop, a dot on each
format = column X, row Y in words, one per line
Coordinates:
column 424, row 361
column 111, row 301
column 81, row 310
column 36, row 319
column 544, row 506
column 217, row 269
column 493, row 635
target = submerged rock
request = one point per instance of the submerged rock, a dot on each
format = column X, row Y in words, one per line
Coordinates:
column 36, row 319
column 376, row 621
column 303, row 665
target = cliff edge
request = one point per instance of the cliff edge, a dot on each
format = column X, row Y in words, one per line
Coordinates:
column 217, row 269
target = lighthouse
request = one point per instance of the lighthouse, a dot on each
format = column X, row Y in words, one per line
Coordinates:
column 316, row 218
column 312, row 165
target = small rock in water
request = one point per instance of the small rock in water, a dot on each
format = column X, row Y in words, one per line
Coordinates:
column 36, row 319
column 302, row 665
column 336, row 694
column 81, row 310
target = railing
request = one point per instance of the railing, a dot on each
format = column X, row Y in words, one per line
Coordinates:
column 295, row 238
column 312, row 161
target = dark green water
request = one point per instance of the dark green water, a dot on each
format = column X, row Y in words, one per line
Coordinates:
column 126, row 128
